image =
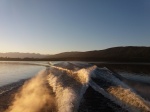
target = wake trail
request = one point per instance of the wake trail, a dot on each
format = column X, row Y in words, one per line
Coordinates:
column 69, row 87
column 34, row 96
column 61, row 87
column 118, row 91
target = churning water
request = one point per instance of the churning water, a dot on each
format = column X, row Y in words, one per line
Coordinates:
column 60, row 88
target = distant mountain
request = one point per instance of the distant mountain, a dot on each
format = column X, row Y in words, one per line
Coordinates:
column 117, row 54
column 129, row 53
column 22, row 55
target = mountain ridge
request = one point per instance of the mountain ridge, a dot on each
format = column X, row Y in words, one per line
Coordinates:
column 121, row 54
column 127, row 53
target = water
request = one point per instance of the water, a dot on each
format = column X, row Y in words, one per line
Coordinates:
column 133, row 71
column 62, row 87
column 137, row 76
column 14, row 71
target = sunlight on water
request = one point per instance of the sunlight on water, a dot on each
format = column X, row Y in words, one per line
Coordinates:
column 12, row 72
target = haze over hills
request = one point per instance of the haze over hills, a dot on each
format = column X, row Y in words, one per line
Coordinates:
column 22, row 55
column 128, row 53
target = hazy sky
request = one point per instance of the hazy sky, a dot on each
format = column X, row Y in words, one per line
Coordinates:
column 53, row 26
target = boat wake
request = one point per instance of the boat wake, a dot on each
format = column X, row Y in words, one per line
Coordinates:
column 61, row 88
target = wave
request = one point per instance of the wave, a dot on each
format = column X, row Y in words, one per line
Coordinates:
column 61, row 87
column 69, row 87
column 9, row 87
column 118, row 91
column 34, row 96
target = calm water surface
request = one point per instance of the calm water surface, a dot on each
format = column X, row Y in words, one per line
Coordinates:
column 14, row 71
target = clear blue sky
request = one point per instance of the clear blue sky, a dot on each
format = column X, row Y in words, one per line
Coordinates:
column 53, row 26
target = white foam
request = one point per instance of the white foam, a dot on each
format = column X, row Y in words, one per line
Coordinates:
column 119, row 92
column 69, row 87
column 34, row 96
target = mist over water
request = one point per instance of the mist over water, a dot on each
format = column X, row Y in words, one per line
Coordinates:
column 34, row 96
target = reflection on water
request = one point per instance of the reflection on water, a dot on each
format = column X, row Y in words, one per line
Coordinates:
column 135, row 76
column 128, row 70
column 14, row 71
column 133, row 72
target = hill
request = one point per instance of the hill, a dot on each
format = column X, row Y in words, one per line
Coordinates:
column 136, row 54
column 115, row 54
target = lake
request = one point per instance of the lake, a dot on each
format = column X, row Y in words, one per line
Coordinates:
column 134, row 71
column 128, row 80
column 12, row 71
column 136, row 75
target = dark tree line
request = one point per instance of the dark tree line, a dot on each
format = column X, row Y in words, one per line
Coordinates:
column 113, row 59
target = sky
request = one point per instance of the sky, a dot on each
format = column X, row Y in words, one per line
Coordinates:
column 54, row 26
